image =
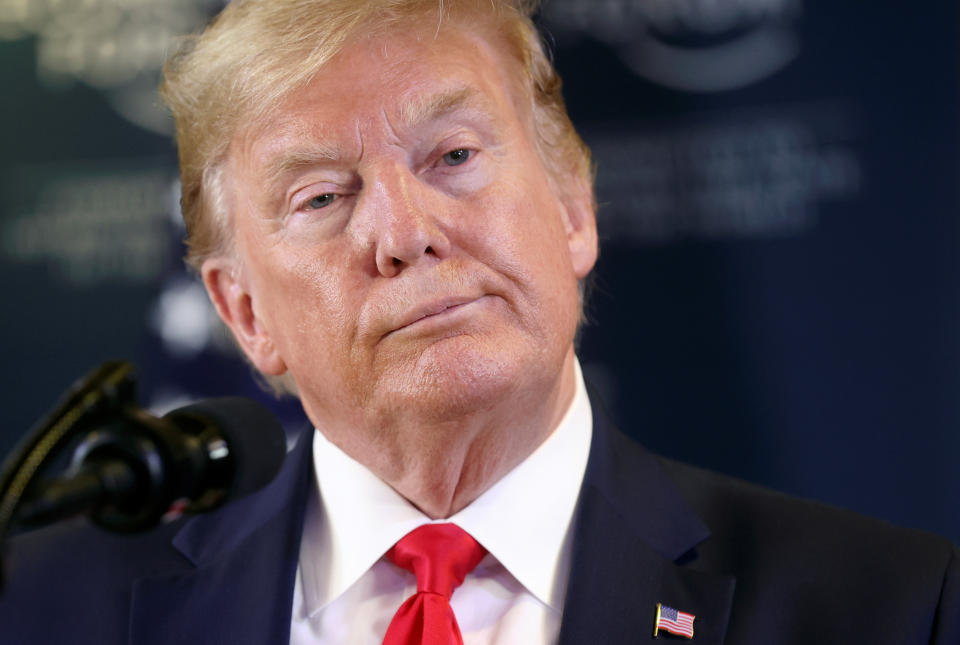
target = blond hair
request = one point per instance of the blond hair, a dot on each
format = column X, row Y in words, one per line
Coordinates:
column 257, row 52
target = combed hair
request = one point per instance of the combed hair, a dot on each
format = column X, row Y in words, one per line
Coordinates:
column 256, row 53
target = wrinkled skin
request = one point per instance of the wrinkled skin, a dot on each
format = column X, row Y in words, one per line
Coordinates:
column 401, row 252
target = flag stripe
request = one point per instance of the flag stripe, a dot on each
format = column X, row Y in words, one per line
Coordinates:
column 676, row 622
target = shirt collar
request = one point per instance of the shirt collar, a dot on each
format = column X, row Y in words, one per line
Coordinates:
column 523, row 520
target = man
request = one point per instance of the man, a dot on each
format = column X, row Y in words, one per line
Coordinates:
column 393, row 215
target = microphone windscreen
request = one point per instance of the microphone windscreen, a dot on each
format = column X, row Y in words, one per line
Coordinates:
column 254, row 437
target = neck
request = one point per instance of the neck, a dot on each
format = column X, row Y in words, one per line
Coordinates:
column 442, row 466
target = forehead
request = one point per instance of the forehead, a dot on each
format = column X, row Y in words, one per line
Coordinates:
column 404, row 77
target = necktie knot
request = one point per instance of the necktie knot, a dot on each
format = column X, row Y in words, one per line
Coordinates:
column 439, row 555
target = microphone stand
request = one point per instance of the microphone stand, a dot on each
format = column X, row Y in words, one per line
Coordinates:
column 115, row 465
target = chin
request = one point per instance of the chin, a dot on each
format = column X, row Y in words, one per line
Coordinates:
column 453, row 380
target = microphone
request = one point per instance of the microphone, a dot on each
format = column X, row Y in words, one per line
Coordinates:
column 135, row 470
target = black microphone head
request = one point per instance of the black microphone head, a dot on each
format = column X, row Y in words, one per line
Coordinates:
column 255, row 438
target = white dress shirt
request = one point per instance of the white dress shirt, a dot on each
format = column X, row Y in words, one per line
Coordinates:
column 347, row 592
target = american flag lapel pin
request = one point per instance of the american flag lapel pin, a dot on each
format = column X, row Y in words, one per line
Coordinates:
column 673, row 621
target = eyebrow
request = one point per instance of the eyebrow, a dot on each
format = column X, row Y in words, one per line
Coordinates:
column 296, row 159
column 413, row 113
column 419, row 110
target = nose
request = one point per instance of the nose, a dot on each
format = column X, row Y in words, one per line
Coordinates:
column 406, row 229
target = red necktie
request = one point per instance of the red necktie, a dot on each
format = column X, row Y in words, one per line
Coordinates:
column 441, row 556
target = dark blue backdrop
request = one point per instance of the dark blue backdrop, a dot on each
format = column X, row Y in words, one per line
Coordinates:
column 778, row 295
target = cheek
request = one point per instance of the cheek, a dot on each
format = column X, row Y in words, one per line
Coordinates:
column 520, row 229
column 307, row 297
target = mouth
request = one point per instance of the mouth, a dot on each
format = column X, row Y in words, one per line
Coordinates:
column 436, row 312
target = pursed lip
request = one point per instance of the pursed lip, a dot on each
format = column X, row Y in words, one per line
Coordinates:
column 432, row 308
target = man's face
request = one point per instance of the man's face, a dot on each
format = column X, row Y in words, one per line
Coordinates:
column 400, row 250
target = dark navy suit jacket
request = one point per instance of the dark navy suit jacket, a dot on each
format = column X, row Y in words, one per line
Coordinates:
column 754, row 567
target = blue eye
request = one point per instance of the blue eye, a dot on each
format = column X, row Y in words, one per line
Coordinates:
column 320, row 201
column 456, row 157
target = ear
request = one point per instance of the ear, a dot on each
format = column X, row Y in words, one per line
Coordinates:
column 581, row 225
column 224, row 282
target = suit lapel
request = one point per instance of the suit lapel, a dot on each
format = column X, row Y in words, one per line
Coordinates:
column 634, row 546
column 634, row 543
column 244, row 557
